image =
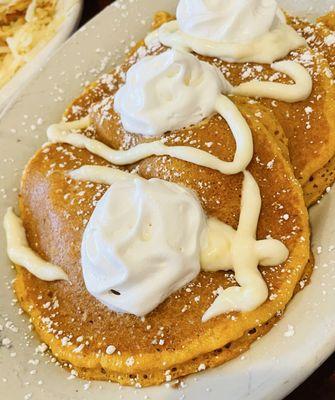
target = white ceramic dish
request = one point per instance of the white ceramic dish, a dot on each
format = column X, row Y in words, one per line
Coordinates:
column 272, row 368
column 71, row 11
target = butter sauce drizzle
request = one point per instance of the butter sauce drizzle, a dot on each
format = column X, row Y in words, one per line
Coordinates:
column 20, row 253
column 62, row 133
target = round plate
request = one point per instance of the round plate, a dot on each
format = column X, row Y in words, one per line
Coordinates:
column 273, row 367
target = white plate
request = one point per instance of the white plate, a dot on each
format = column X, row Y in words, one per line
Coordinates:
column 71, row 11
column 274, row 365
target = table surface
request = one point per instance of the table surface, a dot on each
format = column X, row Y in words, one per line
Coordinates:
column 320, row 385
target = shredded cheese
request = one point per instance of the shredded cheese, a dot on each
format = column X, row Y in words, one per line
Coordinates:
column 25, row 27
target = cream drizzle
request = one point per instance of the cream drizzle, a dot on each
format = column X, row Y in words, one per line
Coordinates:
column 298, row 91
column 100, row 174
column 221, row 245
column 266, row 49
column 271, row 46
column 61, row 133
column 244, row 255
column 20, row 253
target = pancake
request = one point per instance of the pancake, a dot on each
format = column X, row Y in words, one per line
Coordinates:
column 311, row 134
column 309, row 125
column 209, row 360
column 55, row 210
column 321, row 38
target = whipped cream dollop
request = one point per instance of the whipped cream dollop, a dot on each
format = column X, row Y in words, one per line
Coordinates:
column 147, row 239
column 170, row 91
column 232, row 30
column 236, row 21
column 141, row 243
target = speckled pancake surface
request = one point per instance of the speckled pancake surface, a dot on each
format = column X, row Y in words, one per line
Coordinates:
column 310, row 124
column 321, row 38
column 209, row 360
column 55, row 210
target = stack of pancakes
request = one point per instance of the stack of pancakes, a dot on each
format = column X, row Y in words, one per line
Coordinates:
column 293, row 164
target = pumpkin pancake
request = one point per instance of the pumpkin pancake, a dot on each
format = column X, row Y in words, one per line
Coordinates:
column 205, row 361
column 320, row 37
column 310, row 124
column 209, row 360
column 55, row 209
